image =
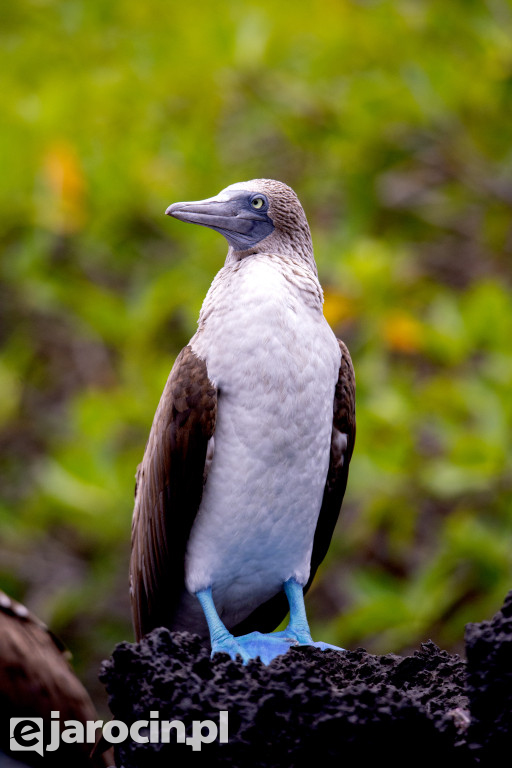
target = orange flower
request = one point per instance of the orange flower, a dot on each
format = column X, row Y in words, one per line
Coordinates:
column 402, row 332
column 64, row 211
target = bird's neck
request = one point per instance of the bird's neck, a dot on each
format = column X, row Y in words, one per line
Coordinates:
column 295, row 248
column 239, row 281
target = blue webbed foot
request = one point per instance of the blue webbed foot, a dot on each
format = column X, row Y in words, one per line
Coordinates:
column 232, row 647
column 265, row 646
column 253, row 645
column 257, row 644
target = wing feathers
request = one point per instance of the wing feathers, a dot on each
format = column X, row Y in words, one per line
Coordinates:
column 169, row 490
column 342, row 446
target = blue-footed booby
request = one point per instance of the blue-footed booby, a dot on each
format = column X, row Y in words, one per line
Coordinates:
column 247, row 460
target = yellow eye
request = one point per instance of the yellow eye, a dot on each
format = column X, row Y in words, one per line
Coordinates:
column 257, row 202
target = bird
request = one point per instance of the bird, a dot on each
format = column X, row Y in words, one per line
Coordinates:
column 36, row 679
column 246, row 464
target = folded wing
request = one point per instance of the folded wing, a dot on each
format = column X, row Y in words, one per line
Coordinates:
column 168, row 491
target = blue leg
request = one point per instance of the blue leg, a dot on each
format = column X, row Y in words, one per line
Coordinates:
column 222, row 641
column 298, row 627
column 250, row 646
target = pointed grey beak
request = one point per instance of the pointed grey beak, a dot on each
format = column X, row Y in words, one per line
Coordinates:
column 215, row 212
column 229, row 213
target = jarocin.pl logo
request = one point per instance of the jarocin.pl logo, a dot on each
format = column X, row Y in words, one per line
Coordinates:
column 27, row 732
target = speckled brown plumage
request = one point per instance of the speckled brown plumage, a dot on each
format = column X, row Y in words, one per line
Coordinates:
column 291, row 236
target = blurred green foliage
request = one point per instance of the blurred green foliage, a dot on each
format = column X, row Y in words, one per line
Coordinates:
column 392, row 122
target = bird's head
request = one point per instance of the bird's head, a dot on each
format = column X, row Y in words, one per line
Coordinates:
column 258, row 216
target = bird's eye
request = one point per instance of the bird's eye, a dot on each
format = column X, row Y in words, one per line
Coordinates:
column 257, row 203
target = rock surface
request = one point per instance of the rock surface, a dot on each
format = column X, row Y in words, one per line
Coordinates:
column 338, row 708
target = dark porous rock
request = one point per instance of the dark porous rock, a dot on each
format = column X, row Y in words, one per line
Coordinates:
column 341, row 708
column 330, row 708
column 489, row 686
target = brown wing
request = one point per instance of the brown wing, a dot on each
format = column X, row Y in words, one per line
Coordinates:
column 344, row 424
column 169, row 490
column 270, row 614
column 36, row 679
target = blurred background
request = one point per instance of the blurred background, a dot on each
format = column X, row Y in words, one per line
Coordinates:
column 391, row 120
